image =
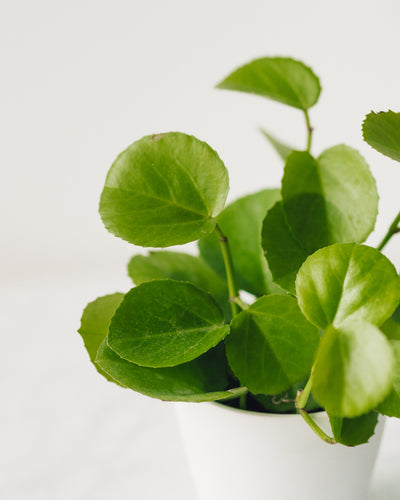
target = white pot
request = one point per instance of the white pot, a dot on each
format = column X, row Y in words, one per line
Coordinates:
column 235, row 454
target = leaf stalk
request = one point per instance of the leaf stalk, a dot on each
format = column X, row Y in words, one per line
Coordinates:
column 393, row 229
column 309, row 131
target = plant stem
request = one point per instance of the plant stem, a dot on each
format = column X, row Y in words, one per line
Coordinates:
column 230, row 273
column 243, row 401
column 301, row 401
column 309, row 130
column 320, row 433
column 393, row 229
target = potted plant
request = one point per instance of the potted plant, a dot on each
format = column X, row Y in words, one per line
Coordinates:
column 319, row 343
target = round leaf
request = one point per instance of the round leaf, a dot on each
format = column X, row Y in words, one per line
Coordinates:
column 180, row 267
column 347, row 281
column 329, row 200
column 241, row 222
column 164, row 190
column 203, row 379
column 165, row 323
column 353, row 371
column 283, row 252
column 382, row 132
column 354, row 431
column 95, row 323
column 279, row 78
column 271, row 345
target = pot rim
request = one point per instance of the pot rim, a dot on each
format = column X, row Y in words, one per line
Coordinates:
column 239, row 411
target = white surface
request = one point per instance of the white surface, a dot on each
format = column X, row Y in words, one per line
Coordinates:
column 80, row 81
column 270, row 456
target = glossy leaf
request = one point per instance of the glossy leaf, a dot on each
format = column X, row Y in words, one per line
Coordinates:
column 353, row 371
column 382, row 132
column 164, row 190
column 332, row 199
column 180, row 267
column 283, row 252
column 282, row 149
column 279, row 78
column 391, row 404
column 241, row 222
column 271, row 345
column 165, row 323
column 203, row 379
column 347, row 281
column 95, row 323
column 354, row 431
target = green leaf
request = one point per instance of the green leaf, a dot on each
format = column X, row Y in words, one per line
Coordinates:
column 180, row 267
column 283, row 252
column 282, row 149
column 391, row 404
column 164, row 190
column 271, row 346
column 353, row 371
column 203, row 379
column 382, row 132
column 241, row 222
column 329, row 200
column 354, row 431
column 95, row 322
column 165, row 323
column 279, row 78
column 347, row 281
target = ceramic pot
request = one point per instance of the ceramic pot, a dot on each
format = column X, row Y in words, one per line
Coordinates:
column 235, row 454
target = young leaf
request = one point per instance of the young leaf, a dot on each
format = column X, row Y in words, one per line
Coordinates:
column 271, row 346
column 382, row 132
column 283, row 252
column 329, row 200
column 164, row 190
column 347, row 281
column 354, row 431
column 203, row 379
column 180, row 267
column 241, row 222
column 95, row 323
column 391, row 404
column 282, row 149
column 279, row 78
column 165, row 323
column 353, row 371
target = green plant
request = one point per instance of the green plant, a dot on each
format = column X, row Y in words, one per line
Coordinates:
column 324, row 329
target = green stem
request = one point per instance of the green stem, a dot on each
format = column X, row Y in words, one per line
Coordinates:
column 309, row 130
column 230, row 273
column 243, row 401
column 301, row 401
column 393, row 229
column 320, row 433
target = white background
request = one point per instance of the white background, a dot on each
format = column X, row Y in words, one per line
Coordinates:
column 80, row 80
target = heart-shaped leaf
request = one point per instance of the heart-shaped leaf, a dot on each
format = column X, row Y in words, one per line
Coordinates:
column 95, row 323
column 203, row 379
column 271, row 346
column 347, row 281
column 279, row 78
column 332, row 199
column 164, row 190
column 354, row 431
column 165, row 323
column 382, row 132
column 180, row 267
column 241, row 222
column 353, row 371
column 283, row 252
